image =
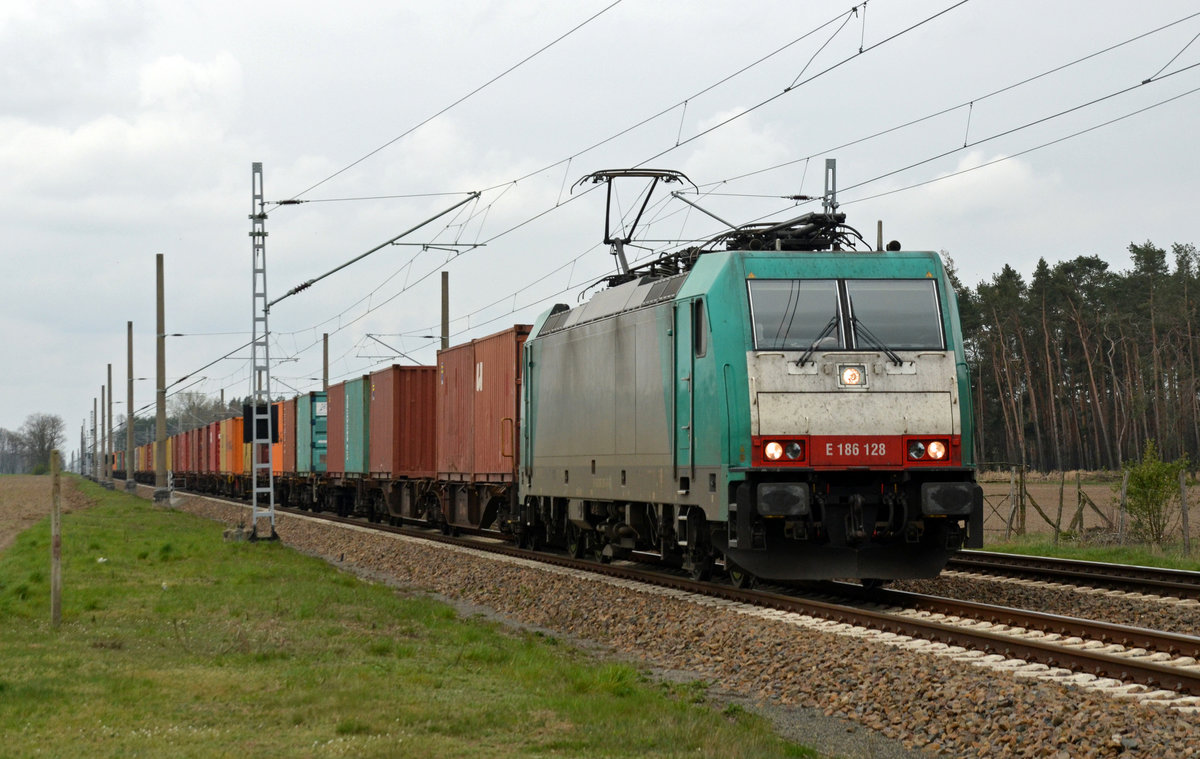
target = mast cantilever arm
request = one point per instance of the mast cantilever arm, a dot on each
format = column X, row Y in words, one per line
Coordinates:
column 309, row 283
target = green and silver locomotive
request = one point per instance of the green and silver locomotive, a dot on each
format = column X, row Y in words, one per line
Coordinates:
column 778, row 407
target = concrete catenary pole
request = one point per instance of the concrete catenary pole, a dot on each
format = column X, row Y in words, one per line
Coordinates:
column 130, row 483
column 445, row 310
column 325, row 362
column 104, row 468
column 95, row 440
column 110, row 452
column 161, row 493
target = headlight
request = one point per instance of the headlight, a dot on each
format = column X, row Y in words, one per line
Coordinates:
column 853, row 376
column 794, row 450
column 773, row 451
column 916, row 450
column 936, row 450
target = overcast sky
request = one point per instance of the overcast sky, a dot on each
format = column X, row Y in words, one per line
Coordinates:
column 128, row 129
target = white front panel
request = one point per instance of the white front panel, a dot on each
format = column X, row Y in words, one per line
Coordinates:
column 855, row 413
column 788, row 398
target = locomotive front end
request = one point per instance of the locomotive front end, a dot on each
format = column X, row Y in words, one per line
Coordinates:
column 859, row 426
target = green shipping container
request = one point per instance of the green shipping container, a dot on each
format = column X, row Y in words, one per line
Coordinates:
column 357, row 421
column 311, row 432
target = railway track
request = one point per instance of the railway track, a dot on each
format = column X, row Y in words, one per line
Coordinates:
column 1164, row 663
column 1145, row 580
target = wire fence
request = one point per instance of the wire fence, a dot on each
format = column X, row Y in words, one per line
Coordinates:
column 1079, row 506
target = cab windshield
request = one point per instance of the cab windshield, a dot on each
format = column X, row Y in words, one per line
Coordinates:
column 845, row 314
column 792, row 314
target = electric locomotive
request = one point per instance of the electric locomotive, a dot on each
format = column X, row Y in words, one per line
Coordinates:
column 780, row 406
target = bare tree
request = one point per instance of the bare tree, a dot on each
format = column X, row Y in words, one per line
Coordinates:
column 12, row 453
column 42, row 433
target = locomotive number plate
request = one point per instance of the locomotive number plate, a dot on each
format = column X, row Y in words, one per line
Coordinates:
column 859, row 450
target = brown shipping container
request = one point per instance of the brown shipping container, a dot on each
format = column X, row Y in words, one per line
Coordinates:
column 287, row 436
column 456, row 412
column 335, row 454
column 479, row 397
column 403, row 403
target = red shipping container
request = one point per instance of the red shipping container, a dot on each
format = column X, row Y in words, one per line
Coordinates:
column 194, row 450
column 212, row 462
column 286, row 463
column 403, row 406
column 478, row 407
column 335, row 454
column 202, row 450
column 180, row 453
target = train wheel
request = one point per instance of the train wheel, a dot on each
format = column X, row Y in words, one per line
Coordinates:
column 575, row 542
column 598, row 553
column 739, row 577
column 699, row 566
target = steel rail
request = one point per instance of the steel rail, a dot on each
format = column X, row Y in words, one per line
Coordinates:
column 1172, row 582
column 1127, row 636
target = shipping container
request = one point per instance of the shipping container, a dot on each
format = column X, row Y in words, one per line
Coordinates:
column 212, row 454
column 181, row 452
column 195, row 437
column 335, row 454
column 478, row 407
column 285, row 462
column 232, row 450
column 402, row 434
column 357, row 419
column 455, row 410
column 247, row 448
column 312, row 438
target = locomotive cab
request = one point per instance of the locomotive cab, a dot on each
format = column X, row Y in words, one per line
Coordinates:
column 859, row 421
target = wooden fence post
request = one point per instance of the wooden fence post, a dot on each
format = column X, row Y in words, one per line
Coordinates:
column 55, row 541
column 1124, row 491
column 1062, row 486
column 1187, row 532
column 1021, row 496
column 1077, row 520
column 1012, row 502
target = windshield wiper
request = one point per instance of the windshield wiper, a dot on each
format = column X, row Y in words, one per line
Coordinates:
column 875, row 342
column 823, row 334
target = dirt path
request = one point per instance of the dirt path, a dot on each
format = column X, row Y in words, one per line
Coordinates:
column 25, row 500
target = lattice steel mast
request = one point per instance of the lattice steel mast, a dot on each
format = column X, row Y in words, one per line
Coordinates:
column 262, row 469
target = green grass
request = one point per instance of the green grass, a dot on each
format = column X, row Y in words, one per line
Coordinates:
column 175, row 643
column 1170, row 556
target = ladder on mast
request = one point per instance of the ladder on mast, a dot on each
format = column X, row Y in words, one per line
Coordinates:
column 262, row 475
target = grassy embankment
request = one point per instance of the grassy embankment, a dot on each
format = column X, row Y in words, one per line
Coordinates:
column 175, row 643
column 1170, row 556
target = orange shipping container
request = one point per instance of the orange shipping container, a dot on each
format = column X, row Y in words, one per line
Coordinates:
column 232, row 456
